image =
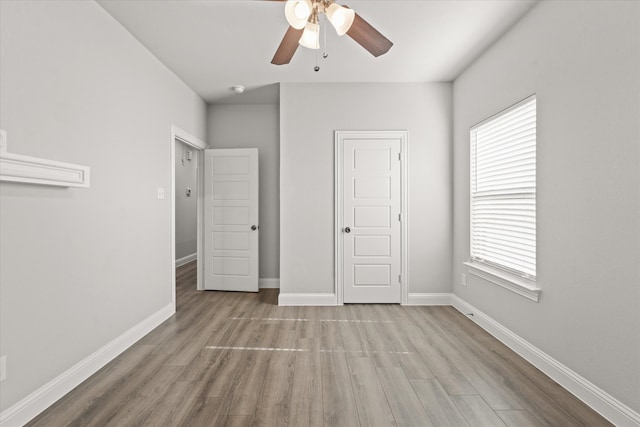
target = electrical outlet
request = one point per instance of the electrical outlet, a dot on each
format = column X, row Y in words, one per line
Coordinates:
column 160, row 193
column 3, row 368
column 463, row 280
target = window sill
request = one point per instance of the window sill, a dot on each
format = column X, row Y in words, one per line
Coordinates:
column 519, row 285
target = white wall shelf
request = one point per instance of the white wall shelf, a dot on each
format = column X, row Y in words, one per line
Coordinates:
column 34, row 170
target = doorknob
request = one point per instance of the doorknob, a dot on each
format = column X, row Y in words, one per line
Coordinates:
column 254, row 227
column 347, row 230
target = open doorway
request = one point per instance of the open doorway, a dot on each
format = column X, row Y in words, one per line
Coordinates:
column 186, row 167
column 189, row 177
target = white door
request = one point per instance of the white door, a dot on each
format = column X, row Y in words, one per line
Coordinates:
column 231, row 220
column 371, row 219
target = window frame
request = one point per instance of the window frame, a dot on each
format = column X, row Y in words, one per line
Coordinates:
column 514, row 280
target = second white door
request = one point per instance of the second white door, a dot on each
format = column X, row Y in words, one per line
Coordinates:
column 371, row 219
column 231, row 220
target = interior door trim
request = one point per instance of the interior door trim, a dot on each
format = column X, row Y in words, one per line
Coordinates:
column 178, row 134
column 339, row 138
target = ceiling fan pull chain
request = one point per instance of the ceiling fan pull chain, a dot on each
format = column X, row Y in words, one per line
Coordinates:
column 324, row 33
column 317, row 67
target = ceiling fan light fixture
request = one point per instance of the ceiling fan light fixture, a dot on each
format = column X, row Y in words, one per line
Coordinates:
column 340, row 17
column 307, row 34
column 311, row 36
column 297, row 12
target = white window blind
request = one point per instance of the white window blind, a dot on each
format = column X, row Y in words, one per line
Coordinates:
column 503, row 190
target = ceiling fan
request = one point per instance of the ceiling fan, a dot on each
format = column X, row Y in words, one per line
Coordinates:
column 303, row 17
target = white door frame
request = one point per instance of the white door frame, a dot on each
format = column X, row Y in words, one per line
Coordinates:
column 404, row 205
column 178, row 134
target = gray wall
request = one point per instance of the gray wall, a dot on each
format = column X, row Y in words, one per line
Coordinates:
column 249, row 126
column 186, row 207
column 309, row 115
column 82, row 266
column 582, row 59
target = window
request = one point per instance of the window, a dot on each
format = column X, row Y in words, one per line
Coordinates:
column 503, row 190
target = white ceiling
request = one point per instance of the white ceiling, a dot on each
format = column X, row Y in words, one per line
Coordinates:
column 215, row 44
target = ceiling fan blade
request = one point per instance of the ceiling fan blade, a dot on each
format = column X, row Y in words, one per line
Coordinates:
column 368, row 37
column 287, row 47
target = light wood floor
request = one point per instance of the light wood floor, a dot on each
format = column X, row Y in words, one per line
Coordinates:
column 236, row 359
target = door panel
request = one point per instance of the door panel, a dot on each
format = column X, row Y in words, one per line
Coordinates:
column 231, row 240
column 231, row 165
column 230, row 215
column 371, row 246
column 230, row 190
column 372, row 275
column 229, row 266
column 231, row 209
column 371, row 187
column 371, row 207
column 372, row 216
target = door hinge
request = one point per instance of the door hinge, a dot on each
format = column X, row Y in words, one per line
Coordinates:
column 399, row 156
column 399, row 217
column 400, row 278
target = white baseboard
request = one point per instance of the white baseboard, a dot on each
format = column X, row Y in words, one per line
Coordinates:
column 186, row 259
column 269, row 283
column 606, row 405
column 429, row 299
column 28, row 408
column 307, row 299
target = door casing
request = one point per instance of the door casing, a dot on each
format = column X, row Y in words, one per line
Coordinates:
column 178, row 134
column 340, row 136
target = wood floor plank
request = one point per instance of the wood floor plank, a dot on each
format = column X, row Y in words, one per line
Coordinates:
column 518, row 419
column 414, row 366
column 208, row 365
column 197, row 369
column 275, row 397
column 174, row 407
column 227, row 357
column 392, row 331
column 477, row 412
column 456, row 384
column 269, row 417
column 353, row 339
column 337, row 392
column 278, row 374
column 88, row 395
column 236, row 421
column 112, row 405
column 330, row 337
column 306, row 392
column 204, row 412
column 542, row 397
column 442, row 411
column 371, row 401
column 489, row 383
column 249, row 380
column 405, row 405
column 142, row 403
